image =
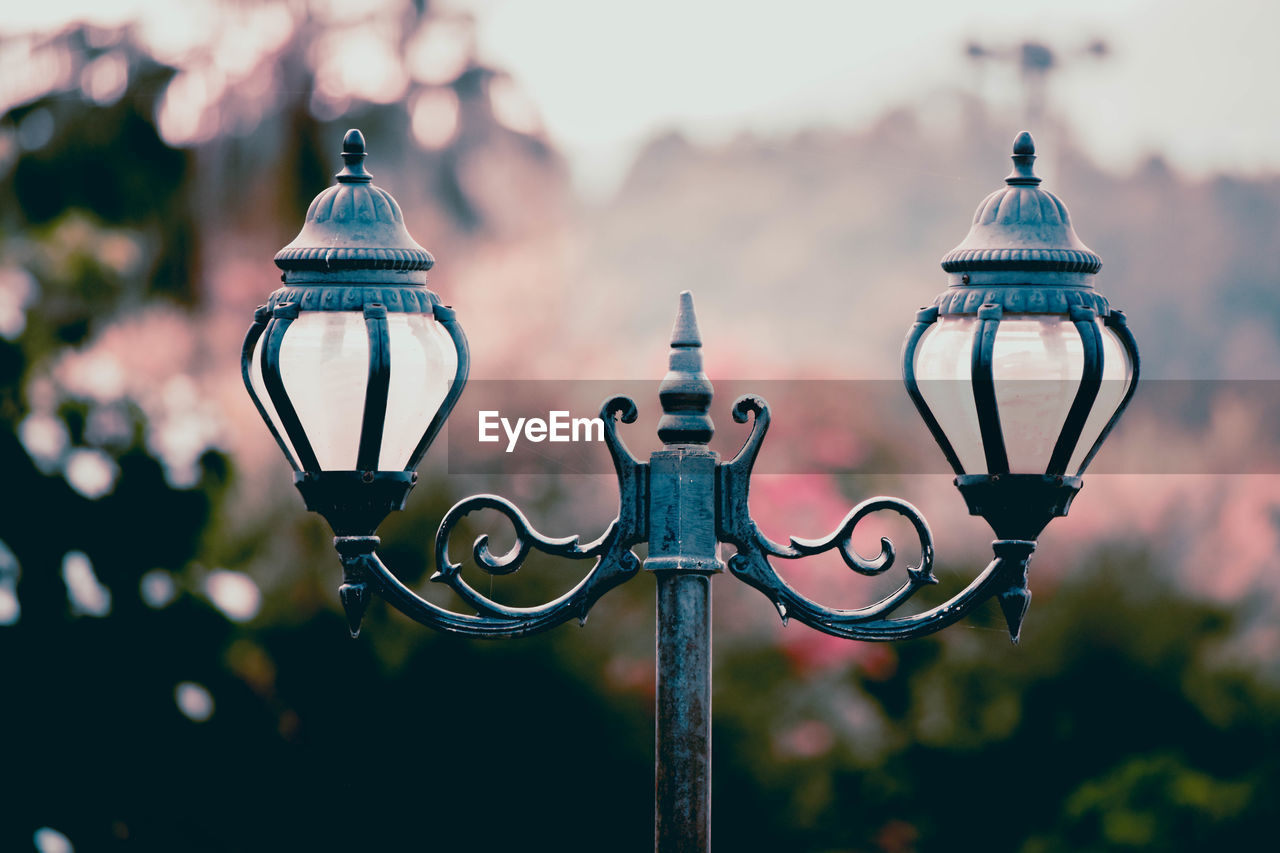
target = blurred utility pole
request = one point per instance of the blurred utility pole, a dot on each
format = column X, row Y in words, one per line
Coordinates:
column 1034, row 62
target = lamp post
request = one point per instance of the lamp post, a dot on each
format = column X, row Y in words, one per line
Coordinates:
column 1019, row 369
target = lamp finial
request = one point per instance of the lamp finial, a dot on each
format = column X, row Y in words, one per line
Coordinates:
column 1024, row 155
column 353, row 154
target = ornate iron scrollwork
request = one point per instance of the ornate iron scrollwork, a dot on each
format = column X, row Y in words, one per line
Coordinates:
column 1005, row 576
column 615, row 562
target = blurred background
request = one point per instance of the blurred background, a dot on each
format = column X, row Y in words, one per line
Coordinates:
column 177, row 673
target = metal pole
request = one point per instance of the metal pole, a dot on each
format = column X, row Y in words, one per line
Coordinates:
column 682, row 779
column 683, row 554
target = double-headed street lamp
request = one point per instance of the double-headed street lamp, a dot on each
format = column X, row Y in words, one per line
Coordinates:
column 1019, row 369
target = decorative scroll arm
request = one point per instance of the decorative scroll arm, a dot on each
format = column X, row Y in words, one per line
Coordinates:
column 1005, row 577
column 735, row 525
column 734, row 481
column 615, row 563
column 364, row 573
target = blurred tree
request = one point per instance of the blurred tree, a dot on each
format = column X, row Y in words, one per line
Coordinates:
column 150, row 715
column 1118, row 725
column 86, row 164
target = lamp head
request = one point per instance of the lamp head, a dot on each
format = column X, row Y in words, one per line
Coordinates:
column 353, row 363
column 1020, row 367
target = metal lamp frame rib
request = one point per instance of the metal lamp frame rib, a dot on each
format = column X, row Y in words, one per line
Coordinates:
column 261, row 320
column 282, row 318
column 1118, row 324
column 984, row 388
column 375, row 393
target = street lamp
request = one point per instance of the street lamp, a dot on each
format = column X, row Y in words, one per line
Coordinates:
column 1020, row 368
column 355, row 365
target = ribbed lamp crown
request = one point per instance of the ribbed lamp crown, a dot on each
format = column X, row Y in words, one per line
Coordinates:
column 1022, row 227
column 353, row 226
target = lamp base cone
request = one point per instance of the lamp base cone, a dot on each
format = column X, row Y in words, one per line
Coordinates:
column 1015, row 556
column 355, row 601
column 1014, row 603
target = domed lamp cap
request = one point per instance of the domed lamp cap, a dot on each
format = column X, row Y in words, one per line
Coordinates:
column 1022, row 227
column 1022, row 251
column 353, row 226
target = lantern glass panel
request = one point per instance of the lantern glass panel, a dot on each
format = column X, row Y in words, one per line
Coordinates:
column 324, row 365
column 423, row 363
column 1117, row 374
column 1037, row 363
column 944, row 376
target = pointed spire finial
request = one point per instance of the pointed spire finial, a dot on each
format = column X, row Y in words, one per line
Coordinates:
column 1024, row 155
column 685, row 391
column 353, row 154
column 685, row 331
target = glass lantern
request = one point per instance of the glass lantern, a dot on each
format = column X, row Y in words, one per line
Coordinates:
column 1020, row 368
column 354, row 364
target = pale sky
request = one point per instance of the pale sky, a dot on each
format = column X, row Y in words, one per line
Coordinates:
column 1194, row 80
column 1198, row 82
